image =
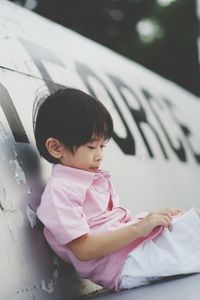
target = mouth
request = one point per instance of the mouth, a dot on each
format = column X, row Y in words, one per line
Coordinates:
column 94, row 169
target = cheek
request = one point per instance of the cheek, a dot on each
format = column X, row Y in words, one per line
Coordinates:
column 89, row 158
column 85, row 158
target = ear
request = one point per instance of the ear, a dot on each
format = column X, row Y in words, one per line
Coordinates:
column 54, row 147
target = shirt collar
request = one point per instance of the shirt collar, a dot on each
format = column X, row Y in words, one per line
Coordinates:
column 78, row 175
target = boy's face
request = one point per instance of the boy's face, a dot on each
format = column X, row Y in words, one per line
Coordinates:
column 86, row 157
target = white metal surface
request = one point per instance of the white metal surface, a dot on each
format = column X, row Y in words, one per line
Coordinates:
column 154, row 156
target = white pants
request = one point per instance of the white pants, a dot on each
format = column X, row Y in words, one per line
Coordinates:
column 171, row 253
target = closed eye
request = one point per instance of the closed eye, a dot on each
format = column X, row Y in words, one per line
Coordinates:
column 93, row 147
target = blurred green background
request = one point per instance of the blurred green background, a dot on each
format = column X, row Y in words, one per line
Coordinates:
column 159, row 34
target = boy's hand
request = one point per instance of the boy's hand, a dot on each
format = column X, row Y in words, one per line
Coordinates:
column 171, row 211
column 158, row 218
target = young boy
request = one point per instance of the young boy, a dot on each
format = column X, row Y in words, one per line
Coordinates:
column 83, row 221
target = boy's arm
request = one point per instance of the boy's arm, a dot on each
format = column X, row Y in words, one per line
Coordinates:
column 91, row 246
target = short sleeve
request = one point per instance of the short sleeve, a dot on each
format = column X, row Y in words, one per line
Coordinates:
column 63, row 215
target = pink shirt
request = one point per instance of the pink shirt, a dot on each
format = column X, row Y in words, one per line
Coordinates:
column 77, row 202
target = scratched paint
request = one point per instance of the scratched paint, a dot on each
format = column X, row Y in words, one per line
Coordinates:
column 17, row 171
column 3, row 135
column 10, row 154
column 31, row 216
column 4, row 203
column 47, row 286
column 29, row 191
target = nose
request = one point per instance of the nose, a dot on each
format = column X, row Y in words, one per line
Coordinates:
column 99, row 155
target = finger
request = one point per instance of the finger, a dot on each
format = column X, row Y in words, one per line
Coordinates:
column 181, row 210
column 167, row 223
column 178, row 212
column 167, row 214
column 163, row 212
column 174, row 211
column 170, row 226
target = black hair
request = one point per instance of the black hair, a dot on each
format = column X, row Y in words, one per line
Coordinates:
column 73, row 117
